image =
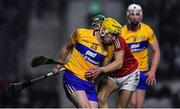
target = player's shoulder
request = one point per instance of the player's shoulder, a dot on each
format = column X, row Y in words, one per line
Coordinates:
column 124, row 30
column 120, row 43
column 83, row 30
column 120, row 39
column 146, row 26
column 124, row 27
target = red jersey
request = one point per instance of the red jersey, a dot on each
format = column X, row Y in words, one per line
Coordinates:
column 130, row 64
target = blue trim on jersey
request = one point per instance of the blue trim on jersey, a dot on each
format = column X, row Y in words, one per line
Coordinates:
column 142, row 82
column 72, row 83
column 138, row 46
column 90, row 55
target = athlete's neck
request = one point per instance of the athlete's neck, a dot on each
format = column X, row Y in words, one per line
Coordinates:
column 133, row 28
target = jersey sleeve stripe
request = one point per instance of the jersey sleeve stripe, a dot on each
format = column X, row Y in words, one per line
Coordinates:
column 117, row 44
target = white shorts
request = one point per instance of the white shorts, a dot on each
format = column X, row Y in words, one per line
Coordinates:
column 128, row 82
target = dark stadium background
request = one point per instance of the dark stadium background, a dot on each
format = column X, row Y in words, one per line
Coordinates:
column 30, row 28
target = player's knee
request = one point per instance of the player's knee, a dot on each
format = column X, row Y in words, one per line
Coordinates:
column 132, row 104
column 139, row 105
column 84, row 105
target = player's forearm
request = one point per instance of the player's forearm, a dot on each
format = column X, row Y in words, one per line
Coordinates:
column 111, row 67
column 116, row 64
column 155, row 61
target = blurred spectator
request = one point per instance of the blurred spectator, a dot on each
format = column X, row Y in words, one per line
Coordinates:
column 14, row 32
column 168, row 30
column 95, row 8
column 14, row 17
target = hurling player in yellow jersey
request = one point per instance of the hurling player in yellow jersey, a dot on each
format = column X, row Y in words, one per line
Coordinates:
column 86, row 50
column 139, row 36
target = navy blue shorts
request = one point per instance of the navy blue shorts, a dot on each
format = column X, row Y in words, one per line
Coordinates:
column 142, row 82
column 72, row 83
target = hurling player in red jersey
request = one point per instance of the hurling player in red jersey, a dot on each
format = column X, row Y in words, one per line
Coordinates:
column 122, row 72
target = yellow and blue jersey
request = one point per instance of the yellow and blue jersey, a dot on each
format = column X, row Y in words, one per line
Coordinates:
column 87, row 52
column 138, row 43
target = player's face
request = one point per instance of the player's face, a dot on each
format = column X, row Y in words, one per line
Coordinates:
column 96, row 25
column 135, row 16
column 107, row 38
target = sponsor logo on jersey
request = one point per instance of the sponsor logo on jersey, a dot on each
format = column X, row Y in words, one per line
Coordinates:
column 91, row 54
